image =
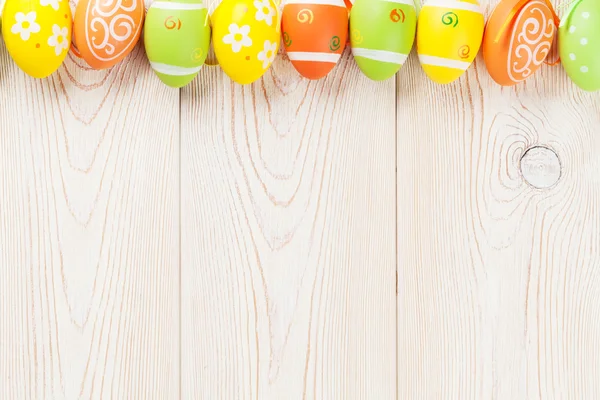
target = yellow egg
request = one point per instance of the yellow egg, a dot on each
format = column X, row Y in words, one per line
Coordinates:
column 37, row 34
column 449, row 35
column 246, row 37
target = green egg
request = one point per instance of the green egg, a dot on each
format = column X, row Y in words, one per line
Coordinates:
column 382, row 33
column 177, row 39
column 579, row 44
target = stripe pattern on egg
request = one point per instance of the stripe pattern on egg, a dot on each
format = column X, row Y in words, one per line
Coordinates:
column 449, row 35
column 314, row 35
column 382, row 33
column 177, row 40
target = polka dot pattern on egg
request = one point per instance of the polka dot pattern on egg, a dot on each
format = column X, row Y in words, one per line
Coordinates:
column 579, row 44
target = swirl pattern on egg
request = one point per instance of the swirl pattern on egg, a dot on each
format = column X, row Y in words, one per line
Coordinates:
column 532, row 41
column 106, row 31
column 517, row 40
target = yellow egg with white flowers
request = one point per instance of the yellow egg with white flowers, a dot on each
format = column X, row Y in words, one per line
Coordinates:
column 37, row 34
column 246, row 36
column 449, row 36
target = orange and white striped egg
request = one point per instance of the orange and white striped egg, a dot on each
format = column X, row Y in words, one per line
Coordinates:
column 314, row 35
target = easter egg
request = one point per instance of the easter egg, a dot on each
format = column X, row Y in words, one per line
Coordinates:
column 37, row 34
column 516, row 47
column 579, row 44
column 382, row 34
column 177, row 40
column 105, row 32
column 449, row 35
column 314, row 35
column 246, row 38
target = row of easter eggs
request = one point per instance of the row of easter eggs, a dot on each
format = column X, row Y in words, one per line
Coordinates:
column 246, row 35
column 516, row 41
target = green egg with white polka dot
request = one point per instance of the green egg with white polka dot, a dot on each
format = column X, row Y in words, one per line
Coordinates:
column 579, row 44
column 177, row 39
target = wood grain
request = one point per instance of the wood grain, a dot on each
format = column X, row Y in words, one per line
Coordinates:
column 498, row 281
column 339, row 239
column 288, row 237
column 89, row 233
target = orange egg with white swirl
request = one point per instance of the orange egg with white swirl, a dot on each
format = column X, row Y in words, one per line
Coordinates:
column 515, row 48
column 106, row 31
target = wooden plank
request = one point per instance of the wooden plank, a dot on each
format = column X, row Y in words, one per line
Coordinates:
column 89, row 233
column 288, row 236
column 498, row 281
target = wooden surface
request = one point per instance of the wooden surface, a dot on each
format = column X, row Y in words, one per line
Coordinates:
column 89, row 234
column 340, row 239
column 286, row 258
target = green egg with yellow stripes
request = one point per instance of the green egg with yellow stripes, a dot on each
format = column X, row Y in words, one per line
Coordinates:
column 177, row 40
column 382, row 33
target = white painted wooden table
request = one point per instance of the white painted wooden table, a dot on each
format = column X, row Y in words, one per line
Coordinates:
column 340, row 239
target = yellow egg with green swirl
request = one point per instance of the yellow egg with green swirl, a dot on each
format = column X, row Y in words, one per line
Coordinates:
column 449, row 35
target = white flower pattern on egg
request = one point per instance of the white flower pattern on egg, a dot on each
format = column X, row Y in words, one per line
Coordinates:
column 264, row 11
column 267, row 56
column 25, row 25
column 238, row 37
column 53, row 3
column 58, row 40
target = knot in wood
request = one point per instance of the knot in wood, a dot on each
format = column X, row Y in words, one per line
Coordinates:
column 540, row 167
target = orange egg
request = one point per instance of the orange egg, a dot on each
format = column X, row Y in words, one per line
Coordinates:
column 105, row 32
column 517, row 40
column 314, row 35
